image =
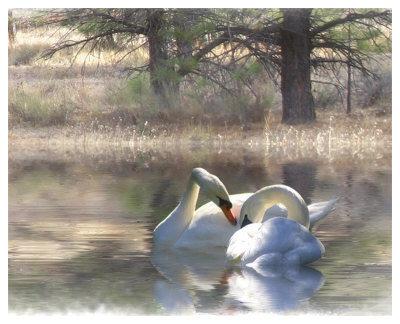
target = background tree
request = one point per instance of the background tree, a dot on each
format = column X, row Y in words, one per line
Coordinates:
column 296, row 47
column 302, row 39
column 224, row 45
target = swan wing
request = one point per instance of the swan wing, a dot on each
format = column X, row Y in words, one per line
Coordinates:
column 241, row 241
column 320, row 210
column 209, row 227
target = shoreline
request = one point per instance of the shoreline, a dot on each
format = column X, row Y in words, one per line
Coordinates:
column 293, row 143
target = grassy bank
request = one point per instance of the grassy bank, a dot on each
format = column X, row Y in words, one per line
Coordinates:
column 332, row 137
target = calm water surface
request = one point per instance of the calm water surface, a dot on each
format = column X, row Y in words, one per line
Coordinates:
column 80, row 236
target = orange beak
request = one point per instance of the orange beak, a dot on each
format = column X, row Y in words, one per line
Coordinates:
column 228, row 214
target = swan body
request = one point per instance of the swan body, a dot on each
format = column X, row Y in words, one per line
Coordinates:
column 278, row 240
column 184, row 227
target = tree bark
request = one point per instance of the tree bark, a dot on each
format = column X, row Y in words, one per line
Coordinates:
column 11, row 28
column 348, row 109
column 349, row 77
column 297, row 100
column 158, row 54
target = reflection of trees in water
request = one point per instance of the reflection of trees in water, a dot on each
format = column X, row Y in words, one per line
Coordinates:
column 366, row 195
column 104, row 277
column 301, row 177
column 18, row 169
column 159, row 194
column 347, row 199
column 251, row 172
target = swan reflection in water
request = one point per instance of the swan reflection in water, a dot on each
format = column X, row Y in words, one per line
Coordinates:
column 204, row 282
column 276, row 289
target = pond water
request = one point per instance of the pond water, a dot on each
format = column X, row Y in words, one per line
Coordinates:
column 80, row 235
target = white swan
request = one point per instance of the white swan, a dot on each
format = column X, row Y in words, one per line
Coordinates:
column 278, row 240
column 211, row 225
column 208, row 225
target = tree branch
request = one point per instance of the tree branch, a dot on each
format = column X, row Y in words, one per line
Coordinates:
column 349, row 18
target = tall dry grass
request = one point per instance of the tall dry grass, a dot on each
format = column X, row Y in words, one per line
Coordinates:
column 333, row 134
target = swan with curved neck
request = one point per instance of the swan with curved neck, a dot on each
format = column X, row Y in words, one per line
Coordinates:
column 255, row 206
column 276, row 241
column 179, row 227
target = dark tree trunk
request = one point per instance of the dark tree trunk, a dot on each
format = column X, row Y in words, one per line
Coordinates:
column 158, row 55
column 183, row 22
column 349, row 76
column 11, row 28
column 348, row 110
column 297, row 101
column 157, row 51
column 301, row 177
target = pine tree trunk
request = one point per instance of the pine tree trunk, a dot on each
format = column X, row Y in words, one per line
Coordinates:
column 158, row 58
column 348, row 110
column 157, row 51
column 297, row 101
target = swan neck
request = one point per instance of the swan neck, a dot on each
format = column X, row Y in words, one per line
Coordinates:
column 189, row 199
column 170, row 229
column 272, row 195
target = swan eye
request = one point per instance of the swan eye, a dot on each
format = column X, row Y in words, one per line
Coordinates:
column 246, row 221
column 227, row 203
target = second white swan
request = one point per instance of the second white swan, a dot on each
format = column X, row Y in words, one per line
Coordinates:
column 276, row 241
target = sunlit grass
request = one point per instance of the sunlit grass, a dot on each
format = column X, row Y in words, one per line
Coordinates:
column 333, row 137
column 333, row 134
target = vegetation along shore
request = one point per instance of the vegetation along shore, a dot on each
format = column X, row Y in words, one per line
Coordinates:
column 163, row 77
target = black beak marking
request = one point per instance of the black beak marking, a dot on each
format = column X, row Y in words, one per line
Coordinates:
column 246, row 221
column 227, row 203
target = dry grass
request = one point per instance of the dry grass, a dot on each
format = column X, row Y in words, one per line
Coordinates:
column 334, row 134
column 103, row 94
column 333, row 137
column 53, row 107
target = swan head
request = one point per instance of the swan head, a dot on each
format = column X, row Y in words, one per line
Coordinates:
column 215, row 190
column 255, row 206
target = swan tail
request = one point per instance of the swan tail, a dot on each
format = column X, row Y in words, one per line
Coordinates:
column 320, row 210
